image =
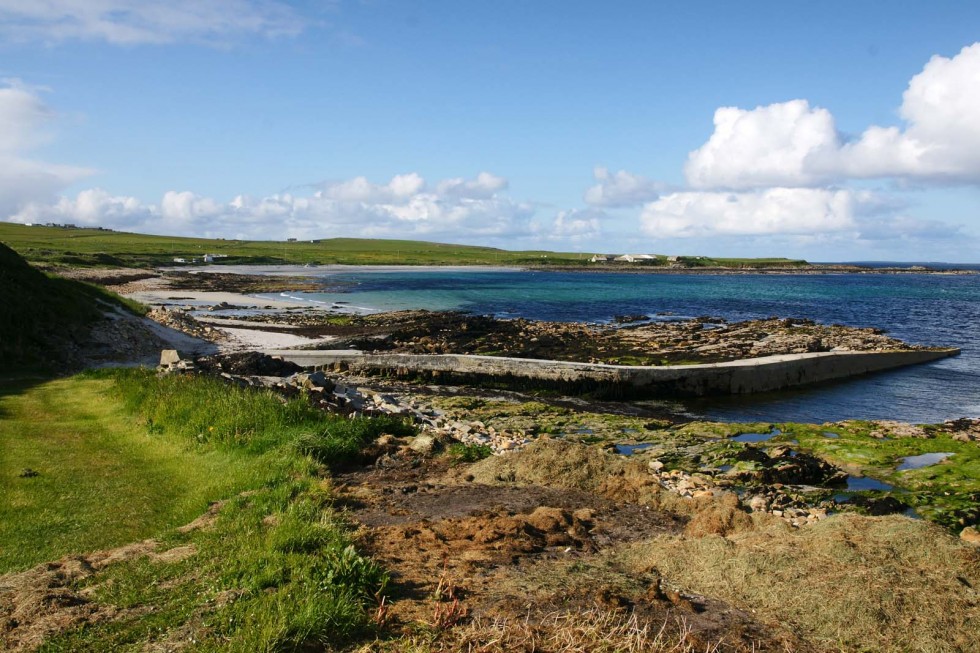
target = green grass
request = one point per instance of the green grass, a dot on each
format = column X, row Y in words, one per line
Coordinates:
column 469, row 453
column 103, row 480
column 125, row 455
column 94, row 247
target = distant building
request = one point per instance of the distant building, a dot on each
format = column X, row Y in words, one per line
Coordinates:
column 672, row 259
column 180, row 260
column 625, row 258
column 290, row 240
column 209, row 258
column 644, row 257
column 599, row 258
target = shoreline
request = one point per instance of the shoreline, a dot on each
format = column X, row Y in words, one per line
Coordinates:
column 332, row 269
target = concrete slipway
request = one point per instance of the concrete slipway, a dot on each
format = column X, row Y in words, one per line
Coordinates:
column 734, row 377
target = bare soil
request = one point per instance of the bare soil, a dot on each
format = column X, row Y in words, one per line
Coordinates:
column 463, row 552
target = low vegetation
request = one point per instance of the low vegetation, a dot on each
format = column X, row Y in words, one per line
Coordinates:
column 43, row 314
column 851, row 583
column 109, row 458
column 98, row 247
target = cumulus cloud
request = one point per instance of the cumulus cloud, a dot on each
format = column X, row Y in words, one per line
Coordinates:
column 400, row 189
column 774, row 145
column 621, row 189
column 942, row 139
column 577, row 225
column 24, row 123
column 770, row 211
column 403, row 207
column 794, row 144
column 131, row 22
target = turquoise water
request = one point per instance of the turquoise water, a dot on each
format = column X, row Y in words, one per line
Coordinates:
column 921, row 308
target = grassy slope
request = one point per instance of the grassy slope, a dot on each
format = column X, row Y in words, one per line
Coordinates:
column 124, row 455
column 41, row 313
column 104, row 480
column 94, row 247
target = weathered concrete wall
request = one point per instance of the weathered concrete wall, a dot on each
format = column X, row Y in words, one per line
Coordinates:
column 735, row 377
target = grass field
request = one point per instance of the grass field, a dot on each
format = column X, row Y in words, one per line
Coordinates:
column 94, row 247
column 116, row 457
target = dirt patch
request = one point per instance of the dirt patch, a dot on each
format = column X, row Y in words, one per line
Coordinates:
column 485, row 563
column 43, row 601
column 40, row 602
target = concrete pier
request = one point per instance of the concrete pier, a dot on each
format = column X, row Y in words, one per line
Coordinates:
column 734, row 377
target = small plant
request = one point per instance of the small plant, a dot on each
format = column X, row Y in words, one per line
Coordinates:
column 469, row 453
column 447, row 615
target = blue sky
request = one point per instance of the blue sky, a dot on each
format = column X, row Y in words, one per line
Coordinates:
column 830, row 131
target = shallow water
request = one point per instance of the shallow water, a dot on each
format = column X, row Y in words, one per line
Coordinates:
column 922, row 460
column 920, row 308
column 630, row 449
column 755, row 437
column 863, row 483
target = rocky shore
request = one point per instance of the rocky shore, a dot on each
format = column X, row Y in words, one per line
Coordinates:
column 765, row 468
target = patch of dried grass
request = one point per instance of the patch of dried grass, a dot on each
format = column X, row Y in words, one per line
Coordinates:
column 852, row 582
column 556, row 463
column 592, row 631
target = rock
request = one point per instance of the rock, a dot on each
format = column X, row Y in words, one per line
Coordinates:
column 169, row 357
column 971, row 535
column 424, row 444
column 758, row 503
column 655, row 465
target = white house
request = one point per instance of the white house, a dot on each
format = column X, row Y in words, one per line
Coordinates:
column 598, row 258
column 625, row 258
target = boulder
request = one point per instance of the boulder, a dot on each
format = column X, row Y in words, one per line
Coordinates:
column 169, row 357
column 424, row 444
column 970, row 534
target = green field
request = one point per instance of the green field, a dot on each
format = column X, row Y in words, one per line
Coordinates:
column 112, row 458
column 95, row 247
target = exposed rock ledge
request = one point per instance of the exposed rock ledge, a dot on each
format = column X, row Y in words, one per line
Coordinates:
column 734, row 377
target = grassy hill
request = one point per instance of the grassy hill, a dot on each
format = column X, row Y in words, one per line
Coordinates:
column 42, row 315
column 111, row 248
column 97, row 247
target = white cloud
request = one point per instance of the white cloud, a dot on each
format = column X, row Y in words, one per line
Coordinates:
column 130, row 22
column 942, row 140
column 24, row 120
column 577, row 225
column 774, row 145
column 400, row 208
column 485, row 185
column 770, row 211
column 187, row 207
column 401, row 188
column 621, row 189
column 793, row 144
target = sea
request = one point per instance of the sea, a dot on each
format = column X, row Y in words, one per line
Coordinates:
column 928, row 309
